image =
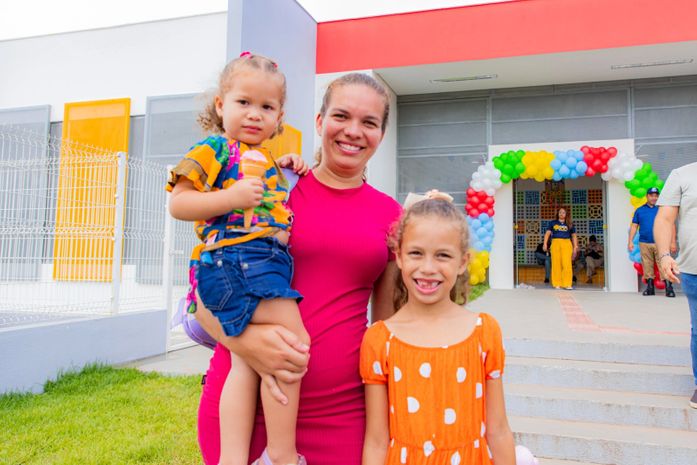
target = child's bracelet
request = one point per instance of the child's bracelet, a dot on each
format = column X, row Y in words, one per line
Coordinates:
column 662, row 256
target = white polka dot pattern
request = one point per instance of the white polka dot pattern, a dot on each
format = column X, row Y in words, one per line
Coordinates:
column 449, row 416
column 425, row 370
column 428, row 448
column 403, row 455
column 455, row 459
column 397, row 374
column 461, row 375
column 412, row 405
column 478, row 391
column 377, row 368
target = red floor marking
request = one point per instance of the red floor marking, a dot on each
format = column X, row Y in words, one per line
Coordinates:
column 578, row 320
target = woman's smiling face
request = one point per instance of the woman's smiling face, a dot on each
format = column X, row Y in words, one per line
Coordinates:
column 351, row 128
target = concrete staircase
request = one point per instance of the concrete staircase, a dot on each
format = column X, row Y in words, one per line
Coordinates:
column 587, row 403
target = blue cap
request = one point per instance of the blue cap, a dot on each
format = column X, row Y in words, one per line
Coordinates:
column 653, row 190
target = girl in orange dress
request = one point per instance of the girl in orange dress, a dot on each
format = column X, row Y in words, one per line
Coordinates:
column 432, row 372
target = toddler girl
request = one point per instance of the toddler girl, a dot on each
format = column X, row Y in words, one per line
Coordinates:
column 433, row 370
column 241, row 271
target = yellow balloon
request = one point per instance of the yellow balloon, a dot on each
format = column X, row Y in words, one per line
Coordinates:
column 637, row 201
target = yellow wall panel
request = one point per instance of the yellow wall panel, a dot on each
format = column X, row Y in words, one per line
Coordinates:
column 93, row 132
column 290, row 141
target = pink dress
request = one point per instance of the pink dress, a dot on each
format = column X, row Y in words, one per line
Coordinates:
column 339, row 245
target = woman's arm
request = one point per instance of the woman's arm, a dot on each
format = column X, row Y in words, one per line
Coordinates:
column 189, row 204
column 545, row 246
column 574, row 241
column 377, row 429
column 381, row 305
column 498, row 432
column 271, row 350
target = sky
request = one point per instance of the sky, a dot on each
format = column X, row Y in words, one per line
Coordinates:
column 28, row 18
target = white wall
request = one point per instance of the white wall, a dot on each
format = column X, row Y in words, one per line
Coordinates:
column 618, row 268
column 382, row 167
column 158, row 58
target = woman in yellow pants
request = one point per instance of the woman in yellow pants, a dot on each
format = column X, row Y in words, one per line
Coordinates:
column 563, row 249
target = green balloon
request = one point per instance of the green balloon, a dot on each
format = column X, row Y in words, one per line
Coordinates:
column 520, row 168
column 508, row 169
column 520, row 153
column 633, row 184
column 660, row 184
column 505, row 178
column 641, row 192
column 647, row 182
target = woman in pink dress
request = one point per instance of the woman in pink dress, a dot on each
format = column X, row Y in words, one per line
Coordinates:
column 341, row 258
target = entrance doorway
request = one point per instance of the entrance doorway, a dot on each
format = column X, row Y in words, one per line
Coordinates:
column 535, row 204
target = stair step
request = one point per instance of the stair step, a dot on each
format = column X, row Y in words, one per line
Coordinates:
column 670, row 355
column 546, row 461
column 603, row 443
column 620, row 407
column 600, row 375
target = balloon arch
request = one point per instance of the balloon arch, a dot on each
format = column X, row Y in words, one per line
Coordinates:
column 542, row 166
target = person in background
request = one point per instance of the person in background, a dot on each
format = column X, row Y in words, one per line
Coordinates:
column 679, row 202
column 563, row 249
column 594, row 257
column 643, row 220
column 543, row 258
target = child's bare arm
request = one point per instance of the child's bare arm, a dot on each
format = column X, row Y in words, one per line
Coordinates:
column 377, row 432
column 498, row 432
column 189, row 204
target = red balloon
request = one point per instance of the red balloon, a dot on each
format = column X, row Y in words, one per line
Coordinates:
column 482, row 207
column 471, row 192
column 660, row 285
column 639, row 268
column 482, row 195
column 604, row 156
column 474, row 213
column 595, row 150
column 585, row 149
column 590, row 172
column 489, row 201
column 603, row 168
column 613, row 151
column 597, row 164
column 490, row 212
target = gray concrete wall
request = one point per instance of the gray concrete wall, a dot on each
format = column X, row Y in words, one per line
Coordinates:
column 32, row 355
column 284, row 31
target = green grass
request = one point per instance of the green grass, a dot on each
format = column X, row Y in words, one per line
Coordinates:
column 103, row 416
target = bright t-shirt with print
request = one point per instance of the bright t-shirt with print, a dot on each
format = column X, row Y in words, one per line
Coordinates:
column 560, row 230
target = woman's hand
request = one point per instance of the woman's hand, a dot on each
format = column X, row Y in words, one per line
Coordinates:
column 274, row 353
column 295, row 162
column 544, row 247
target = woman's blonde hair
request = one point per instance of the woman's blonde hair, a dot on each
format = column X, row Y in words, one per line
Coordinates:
column 441, row 209
column 352, row 79
column 208, row 119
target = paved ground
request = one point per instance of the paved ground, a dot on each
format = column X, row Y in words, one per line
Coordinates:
column 538, row 314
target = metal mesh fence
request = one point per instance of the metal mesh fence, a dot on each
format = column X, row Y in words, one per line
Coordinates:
column 82, row 230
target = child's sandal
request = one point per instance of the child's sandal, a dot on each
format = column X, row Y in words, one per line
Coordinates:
column 265, row 460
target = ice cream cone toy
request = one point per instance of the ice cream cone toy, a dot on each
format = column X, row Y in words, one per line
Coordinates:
column 253, row 165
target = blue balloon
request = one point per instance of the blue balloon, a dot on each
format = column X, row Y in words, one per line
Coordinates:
column 582, row 166
column 483, row 217
column 476, row 224
column 564, row 171
column 578, row 154
column 555, row 164
column 482, row 232
column 573, row 174
column 556, row 176
column 571, row 162
column 479, row 245
column 487, row 240
column 489, row 226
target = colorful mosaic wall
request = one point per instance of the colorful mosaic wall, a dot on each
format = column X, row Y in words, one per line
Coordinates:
column 534, row 211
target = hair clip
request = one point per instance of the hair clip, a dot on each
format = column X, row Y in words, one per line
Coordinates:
column 246, row 54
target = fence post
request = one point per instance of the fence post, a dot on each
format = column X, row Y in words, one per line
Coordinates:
column 167, row 252
column 120, row 201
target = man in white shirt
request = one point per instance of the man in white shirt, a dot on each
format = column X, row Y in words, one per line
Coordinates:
column 678, row 201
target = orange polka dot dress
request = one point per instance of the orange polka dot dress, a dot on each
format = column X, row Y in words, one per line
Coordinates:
column 437, row 395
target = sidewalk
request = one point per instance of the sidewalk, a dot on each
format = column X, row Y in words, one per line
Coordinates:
column 581, row 316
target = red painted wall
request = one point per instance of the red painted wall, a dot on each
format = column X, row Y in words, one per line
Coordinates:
column 518, row 28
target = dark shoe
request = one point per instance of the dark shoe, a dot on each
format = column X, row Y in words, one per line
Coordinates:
column 693, row 400
column 669, row 289
column 546, row 280
column 649, row 288
column 574, row 279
